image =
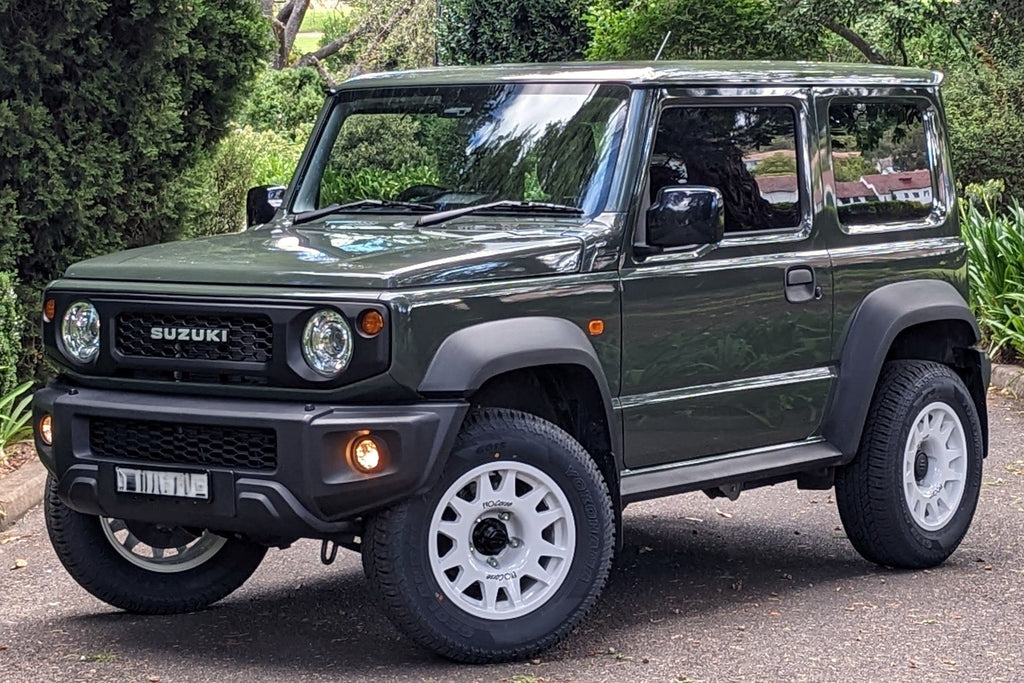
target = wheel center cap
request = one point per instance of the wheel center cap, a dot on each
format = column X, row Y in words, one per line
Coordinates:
column 490, row 536
column 920, row 466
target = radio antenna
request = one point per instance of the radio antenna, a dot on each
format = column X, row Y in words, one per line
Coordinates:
column 664, row 42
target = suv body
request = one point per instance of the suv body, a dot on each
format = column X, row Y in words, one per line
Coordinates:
column 678, row 358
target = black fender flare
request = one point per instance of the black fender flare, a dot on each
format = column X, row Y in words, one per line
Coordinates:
column 870, row 332
column 469, row 357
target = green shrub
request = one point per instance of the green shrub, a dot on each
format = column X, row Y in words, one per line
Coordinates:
column 995, row 243
column 496, row 31
column 284, row 101
column 985, row 113
column 15, row 415
column 708, row 29
column 373, row 183
column 211, row 195
column 11, row 327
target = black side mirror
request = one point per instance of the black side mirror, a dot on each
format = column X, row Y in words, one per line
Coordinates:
column 261, row 203
column 685, row 215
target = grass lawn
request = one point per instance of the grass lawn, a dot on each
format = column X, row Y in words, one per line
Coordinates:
column 307, row 41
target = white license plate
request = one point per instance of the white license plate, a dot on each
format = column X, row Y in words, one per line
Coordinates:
column 161, row 483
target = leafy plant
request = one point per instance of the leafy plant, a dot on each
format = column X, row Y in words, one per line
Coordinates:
column 995, row 242
column 15, row 415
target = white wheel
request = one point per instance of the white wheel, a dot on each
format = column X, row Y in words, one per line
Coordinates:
column 935, row 466
column 506, row 552
column 502, row 540
column 165, row 550
column 908, row 497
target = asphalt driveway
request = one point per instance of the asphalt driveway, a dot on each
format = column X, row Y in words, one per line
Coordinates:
column 764, row 588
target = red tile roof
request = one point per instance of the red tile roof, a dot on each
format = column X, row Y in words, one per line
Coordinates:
column 887, row 183
column 777, row 183
column 853, row 189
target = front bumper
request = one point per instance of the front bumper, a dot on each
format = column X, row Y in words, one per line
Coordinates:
column 312, row 491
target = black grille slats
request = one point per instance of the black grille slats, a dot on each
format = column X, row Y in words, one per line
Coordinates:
column 250, row 337
column 187, row 444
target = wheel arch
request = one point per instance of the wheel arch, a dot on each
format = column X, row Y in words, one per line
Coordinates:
column 915, row 319
column 545, row 366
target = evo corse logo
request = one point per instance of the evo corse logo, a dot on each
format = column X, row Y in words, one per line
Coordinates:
column 196, row 334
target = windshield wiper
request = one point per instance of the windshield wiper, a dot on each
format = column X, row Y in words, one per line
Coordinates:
column 307, row 216
column 504, row 204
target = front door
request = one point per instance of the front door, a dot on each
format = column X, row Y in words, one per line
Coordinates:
column 727, row 348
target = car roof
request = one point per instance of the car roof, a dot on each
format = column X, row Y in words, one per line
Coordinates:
column 700, row 73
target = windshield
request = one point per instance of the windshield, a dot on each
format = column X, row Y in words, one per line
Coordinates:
column 443, row 148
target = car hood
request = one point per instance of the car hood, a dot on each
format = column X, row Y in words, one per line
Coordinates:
column 362, row 254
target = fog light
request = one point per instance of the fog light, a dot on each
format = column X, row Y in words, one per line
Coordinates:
column 46, row 430
column 366, row 454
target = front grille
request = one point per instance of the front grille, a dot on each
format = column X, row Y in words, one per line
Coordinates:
column 249, row 337
column 187, row 444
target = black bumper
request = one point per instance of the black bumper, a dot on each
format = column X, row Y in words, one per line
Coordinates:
column 310, row 491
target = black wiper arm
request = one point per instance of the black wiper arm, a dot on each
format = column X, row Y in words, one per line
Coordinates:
column 307, row 216
column 511, row 204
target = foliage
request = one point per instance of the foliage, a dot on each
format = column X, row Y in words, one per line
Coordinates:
column 701, row 29
column 387, row 141
column 11, row 325
column 995, row 243
column 103, row 104
column 497, row 31
column 210, row 197
column 851, row 168
column 985, row 112
column 283, row 100
column 15, row 415
column 776, row 164
column 373, row 183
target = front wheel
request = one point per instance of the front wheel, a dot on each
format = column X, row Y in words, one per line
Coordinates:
column 505, row 555
column 908, row 497
column 147, row 568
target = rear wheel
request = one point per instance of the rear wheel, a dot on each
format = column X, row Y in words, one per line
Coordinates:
column 508, row 551
column 144, row 567
column 908, row 498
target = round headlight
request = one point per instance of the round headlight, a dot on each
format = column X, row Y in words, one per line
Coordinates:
column 80, row 332
column 327, row 342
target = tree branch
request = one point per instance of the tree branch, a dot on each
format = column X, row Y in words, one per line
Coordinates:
column 855, row 39
column 383, row 34
column 335, row 45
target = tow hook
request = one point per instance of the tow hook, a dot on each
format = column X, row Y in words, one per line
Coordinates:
column 328, row 551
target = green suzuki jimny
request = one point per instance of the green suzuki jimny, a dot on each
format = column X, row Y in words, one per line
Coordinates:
column 495, row 306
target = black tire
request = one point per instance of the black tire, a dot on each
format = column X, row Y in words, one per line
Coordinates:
column 89, row 556
column 870, row 494
column 397, row 562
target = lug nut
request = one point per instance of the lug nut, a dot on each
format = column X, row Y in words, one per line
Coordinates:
column 504, row 516
column 493, row 562
column 514, row 543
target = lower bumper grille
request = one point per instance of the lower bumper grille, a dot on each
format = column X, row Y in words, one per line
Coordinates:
column 187, row 444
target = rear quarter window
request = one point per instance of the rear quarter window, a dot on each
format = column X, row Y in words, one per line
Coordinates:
column 881, row 162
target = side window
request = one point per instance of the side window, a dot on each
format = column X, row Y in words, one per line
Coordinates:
column 880, row 161
column 748, row 152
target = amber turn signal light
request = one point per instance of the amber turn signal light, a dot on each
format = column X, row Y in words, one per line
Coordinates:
column 371, row 322
column 366, row 454
column 46, row 429
column 49, row 310
column 595, row 327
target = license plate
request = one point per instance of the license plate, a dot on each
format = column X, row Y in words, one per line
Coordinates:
column 162, row 483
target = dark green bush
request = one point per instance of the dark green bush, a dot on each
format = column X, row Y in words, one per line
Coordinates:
column 284, row 101
column 210, row 196
column 701, row 29
column 497, row 31
column 11, row 325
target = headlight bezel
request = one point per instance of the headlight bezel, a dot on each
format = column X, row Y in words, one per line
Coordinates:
column 71, row 348
column 318, row 358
